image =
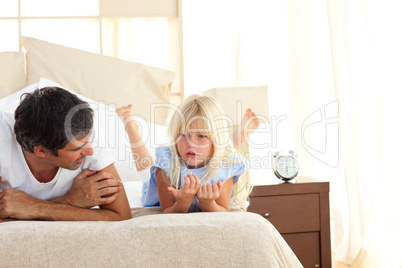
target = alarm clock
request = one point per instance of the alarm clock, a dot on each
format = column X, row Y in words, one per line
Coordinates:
column 285, row 166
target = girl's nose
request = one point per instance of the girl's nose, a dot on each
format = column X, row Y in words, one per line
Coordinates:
column 191, row 141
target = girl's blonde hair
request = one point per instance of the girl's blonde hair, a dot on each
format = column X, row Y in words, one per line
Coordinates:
column 215, row 125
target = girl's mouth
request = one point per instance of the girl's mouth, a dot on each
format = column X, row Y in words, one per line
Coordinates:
column 190, row 154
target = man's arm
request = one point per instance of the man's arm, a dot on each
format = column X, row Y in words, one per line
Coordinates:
column 90, row 189
column 19, row 205
column 3, row 220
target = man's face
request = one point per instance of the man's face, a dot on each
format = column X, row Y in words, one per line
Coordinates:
column 73, row 154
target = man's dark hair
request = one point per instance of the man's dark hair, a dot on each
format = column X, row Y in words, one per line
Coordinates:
column 41, row 117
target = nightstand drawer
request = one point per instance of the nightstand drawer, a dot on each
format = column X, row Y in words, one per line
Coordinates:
column 289, row 213
column 306, row 247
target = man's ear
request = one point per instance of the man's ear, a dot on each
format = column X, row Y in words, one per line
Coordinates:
column 40, row 151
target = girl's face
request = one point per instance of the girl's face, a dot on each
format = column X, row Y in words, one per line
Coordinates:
column 195, row 148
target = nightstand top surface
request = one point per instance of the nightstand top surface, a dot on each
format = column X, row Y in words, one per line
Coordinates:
column 302, row 185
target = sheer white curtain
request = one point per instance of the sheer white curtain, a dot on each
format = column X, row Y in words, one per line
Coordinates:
column 366, row 60
column 349, row 51
column 230, row 43
column 341, row 62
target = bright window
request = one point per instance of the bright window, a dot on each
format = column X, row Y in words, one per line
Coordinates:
column 51, row 8
column 9, row 8
column 135, row 40
column 9, row 35
column 78, row 24
column 77, row 33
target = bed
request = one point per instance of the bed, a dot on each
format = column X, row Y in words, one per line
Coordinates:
column 149, row 239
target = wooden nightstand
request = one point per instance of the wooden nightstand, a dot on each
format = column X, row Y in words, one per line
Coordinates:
column 300, row 212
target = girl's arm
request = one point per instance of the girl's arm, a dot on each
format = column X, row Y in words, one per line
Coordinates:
column 173, row 200
column 215, row 197
column 141, row 155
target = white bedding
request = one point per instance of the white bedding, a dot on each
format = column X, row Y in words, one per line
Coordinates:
column 133, row 191
column 231, row 239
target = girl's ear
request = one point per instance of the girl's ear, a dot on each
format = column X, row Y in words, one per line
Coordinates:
column 40, row 151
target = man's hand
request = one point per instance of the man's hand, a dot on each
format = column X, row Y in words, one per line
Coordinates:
column 92, row 188
column 17, row 205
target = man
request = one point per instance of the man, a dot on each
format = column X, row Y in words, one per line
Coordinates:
column 48, row 169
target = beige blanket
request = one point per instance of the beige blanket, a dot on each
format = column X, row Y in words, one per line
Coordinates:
column 149, row 239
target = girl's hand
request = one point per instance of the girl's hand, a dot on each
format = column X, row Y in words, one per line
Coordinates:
column 209, row 192
column 188, row 191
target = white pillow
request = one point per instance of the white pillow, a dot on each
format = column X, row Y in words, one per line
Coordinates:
column 110, row 131
column 106, row 79
column 12, row 72
column 134, row 193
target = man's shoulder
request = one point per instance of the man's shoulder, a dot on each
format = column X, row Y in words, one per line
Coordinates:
column 101, row 158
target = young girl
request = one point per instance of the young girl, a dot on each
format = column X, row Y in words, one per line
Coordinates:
column 200, row 170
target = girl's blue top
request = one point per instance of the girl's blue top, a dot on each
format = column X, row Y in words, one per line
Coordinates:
column 225, row 171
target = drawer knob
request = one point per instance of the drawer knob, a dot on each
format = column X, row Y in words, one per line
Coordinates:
column 267, row 215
